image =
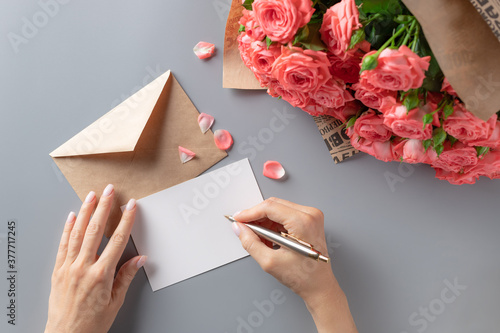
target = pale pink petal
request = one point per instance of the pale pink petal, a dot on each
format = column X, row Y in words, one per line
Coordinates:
column 186, row 155
column 273, row 170
column 223, row 139
column 205, row 121
column 204, row 50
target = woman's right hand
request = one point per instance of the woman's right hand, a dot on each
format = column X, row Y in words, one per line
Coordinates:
column 312, row 280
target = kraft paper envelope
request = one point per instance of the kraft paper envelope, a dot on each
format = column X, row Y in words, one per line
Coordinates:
column 135, row 146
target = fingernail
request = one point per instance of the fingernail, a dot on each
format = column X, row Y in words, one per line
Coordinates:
column 141, row 261
column 71, row 217
column 90, row 197
column 234, row 215
column 108, row 190
column 131, row 204
column 236, row 228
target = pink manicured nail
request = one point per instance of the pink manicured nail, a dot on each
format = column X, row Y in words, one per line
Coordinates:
column 236, row 228
column 90, row 197
column 71, row 217
column 131, row 204
column 108, row 190
column 141, row 261
column 236, row 214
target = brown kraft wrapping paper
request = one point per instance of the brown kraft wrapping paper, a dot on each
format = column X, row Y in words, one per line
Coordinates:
column 466, row 49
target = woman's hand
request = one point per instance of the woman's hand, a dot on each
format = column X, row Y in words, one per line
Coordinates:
column 85, row 294
column 312, row 280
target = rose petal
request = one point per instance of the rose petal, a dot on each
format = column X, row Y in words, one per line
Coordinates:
column 205, row 121
column 223, row 139
column 186, row 155
column 273, row 170
column 204, row 50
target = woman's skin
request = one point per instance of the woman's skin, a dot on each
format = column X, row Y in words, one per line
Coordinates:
column 86, row 296
column 312, row 280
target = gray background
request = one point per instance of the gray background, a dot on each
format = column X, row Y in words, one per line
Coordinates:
column 394, row 247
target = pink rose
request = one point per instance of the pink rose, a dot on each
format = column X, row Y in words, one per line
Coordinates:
column 345, row 112
column 347, row 70
column 467, row 128
column 375, row 98
column 383, row 151
column 409, row 124
column 294, row 97
column 448, row 88
column 370, row 126
column 413, row 151
column 493, row 141
column 263, row 79
column 332, row 94
column 245, row 47
column 456, row 178
column 456, row 158
column 400, row 69
column 339, row 22
column 261, row 58
column 315, row 109
column 301, row 70
column 489, row 165
column 280, row 19
column 252, row 28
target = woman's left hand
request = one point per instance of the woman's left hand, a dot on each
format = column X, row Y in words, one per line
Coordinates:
column 85, row 294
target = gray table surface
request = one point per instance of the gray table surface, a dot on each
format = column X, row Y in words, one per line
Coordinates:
column 397, row 249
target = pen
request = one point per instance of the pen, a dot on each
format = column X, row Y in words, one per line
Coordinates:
column 286, row 240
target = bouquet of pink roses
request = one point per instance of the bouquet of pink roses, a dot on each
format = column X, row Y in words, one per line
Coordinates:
column 368, row 64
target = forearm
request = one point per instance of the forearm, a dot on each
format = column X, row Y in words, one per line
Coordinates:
column 330, row 311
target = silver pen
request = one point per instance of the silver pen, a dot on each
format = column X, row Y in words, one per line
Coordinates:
column 286, row 240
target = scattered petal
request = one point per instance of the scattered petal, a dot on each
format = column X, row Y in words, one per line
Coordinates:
column 223, row 139
column 273, row 170
column 205, row 121
column 204, row 50
column 186, row 155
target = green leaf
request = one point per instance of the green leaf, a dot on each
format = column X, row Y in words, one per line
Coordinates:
column 439, row 149
column 404, row 18
column 434, row 75
column 452, row 140
column 427, row 143
column 392, row 7
column 268, row 42
column 310, row 38
column 317, row 17
column 248, row 4
column 242, row 28
column 427, row 119
column 357, row 37
column 302, row 34
column 481, row 151
column 447, row 111
column 411, row 100
column 439, row 136
column 351, row 122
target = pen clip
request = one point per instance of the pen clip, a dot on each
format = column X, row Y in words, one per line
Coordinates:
column 300, row 241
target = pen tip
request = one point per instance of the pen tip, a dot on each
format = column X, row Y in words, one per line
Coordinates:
column 230, row 218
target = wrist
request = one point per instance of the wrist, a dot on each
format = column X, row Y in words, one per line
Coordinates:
column 330, row 310
column 330, row 292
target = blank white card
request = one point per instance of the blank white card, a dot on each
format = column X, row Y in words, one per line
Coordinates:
column 183, row 230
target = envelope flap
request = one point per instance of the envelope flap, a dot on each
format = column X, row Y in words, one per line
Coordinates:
column 119, row 129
